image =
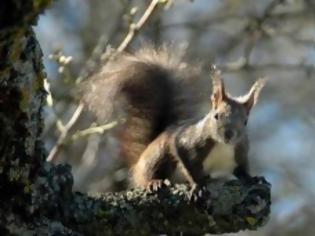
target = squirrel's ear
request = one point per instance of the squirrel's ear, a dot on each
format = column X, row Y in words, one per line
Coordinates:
column 218, row 91
column 250, row 99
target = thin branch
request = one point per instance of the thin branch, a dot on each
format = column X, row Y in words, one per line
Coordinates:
column 93, row 130
column 134, row 28
column 205, row 23
column 56, row 149
column 254, row 24
column 292, row 36
column 284, row 67
column 255, row 28
column 94, row 59
column 133, row 31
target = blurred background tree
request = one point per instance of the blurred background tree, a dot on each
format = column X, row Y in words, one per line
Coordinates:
column 247, row 39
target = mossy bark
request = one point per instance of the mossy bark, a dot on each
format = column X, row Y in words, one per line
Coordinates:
column 224, row 208
column 21, row 100
column 36, row 197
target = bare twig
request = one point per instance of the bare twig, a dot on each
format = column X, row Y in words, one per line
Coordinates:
column 94, row 59
column 255, row 28
column 134, row 28
column 254, row 25
column 93, row 130
column 133, row 31
column 219, row 19
column 56, row 149
column 283, row 67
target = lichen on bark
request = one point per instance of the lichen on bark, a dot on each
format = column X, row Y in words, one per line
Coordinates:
column 22, row 98
column 224, row 208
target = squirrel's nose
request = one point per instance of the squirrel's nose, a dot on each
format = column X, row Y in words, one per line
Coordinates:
column 229, row 134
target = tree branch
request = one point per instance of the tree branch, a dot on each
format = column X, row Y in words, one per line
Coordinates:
column 236, row 67
column 225, row 207
column 134, row 28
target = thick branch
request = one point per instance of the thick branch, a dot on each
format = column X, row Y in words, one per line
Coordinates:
column 225, row 207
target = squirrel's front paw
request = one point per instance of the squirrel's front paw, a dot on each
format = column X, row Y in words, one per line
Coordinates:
column 157, row 184
column 196, row 192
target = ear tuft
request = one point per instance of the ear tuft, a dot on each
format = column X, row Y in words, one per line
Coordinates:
column 218, row 90
column 251, row 98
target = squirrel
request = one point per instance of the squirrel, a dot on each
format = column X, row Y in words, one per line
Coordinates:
column 162, row 99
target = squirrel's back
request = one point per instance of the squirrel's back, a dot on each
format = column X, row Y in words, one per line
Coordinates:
column 151, row 91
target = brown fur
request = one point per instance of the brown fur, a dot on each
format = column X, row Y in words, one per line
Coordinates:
column 161, row 99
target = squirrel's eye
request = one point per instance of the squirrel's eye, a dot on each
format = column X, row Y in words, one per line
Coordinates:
column 245, row 122
column 216, row 116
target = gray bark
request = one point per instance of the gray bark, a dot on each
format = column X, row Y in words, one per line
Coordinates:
column 224, row 208
column 21, row 101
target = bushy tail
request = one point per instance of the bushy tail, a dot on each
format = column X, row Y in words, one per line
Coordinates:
column 151, row 90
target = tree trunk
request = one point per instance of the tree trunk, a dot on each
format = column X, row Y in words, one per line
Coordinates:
column 21, row 100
